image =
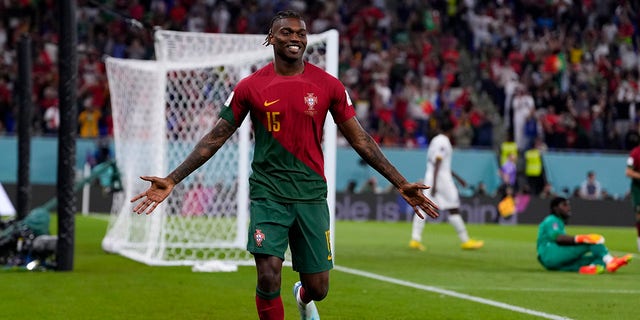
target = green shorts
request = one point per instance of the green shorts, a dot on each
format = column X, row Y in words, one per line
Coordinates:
column 304, row 227
column 635, row 197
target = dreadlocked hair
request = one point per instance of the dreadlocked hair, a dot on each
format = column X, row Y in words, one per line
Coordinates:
column 280, row 15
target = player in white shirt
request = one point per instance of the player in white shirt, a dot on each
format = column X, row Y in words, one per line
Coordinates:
column 443, row 192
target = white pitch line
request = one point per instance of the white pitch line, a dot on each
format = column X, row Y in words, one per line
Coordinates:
column 99, row 216
column 450, row 293
column 597, row 291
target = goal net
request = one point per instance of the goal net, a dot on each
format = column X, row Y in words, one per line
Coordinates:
column 161, row 109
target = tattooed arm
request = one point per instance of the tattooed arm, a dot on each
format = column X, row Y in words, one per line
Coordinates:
column 205, row 149
column 369, row 150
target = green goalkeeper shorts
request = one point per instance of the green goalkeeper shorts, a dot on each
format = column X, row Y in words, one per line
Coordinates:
column 304, row 227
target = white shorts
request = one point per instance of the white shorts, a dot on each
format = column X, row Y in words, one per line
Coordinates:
column 447, row 196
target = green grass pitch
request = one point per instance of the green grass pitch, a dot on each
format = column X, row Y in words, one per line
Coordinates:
column 376, row 277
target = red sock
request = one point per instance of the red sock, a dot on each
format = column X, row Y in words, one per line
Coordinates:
column 270, row 309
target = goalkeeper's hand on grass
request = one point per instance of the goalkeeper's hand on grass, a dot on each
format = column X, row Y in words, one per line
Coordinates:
column 591, row 238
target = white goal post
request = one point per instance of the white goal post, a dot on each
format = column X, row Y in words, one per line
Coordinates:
column 160, row 110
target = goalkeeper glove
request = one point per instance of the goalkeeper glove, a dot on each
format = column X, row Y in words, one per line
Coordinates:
column 591, row 238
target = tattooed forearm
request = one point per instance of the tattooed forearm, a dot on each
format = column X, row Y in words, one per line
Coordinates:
column 204, row 150
column 369, row 150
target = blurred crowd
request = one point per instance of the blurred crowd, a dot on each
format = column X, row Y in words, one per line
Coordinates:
column 561, row 71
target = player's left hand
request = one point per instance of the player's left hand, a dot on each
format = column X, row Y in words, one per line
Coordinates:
column 591, row 238
column 158, row 191
column 414, row 195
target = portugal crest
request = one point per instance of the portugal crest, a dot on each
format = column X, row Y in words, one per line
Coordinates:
column 311, row 100
column 258, row 236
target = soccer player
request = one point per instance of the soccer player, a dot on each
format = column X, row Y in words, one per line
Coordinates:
column 443, row 190
column 288, row 101
column 633, row 172
column 584, row 253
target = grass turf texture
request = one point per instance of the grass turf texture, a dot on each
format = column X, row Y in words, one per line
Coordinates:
column 105, row 286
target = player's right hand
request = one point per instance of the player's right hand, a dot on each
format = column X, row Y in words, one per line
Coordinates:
column 158, row 191
column 591, row 238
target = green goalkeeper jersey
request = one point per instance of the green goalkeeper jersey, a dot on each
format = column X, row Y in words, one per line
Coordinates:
column 548, row 231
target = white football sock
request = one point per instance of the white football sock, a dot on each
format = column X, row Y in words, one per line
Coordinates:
column 417, row 227
column 607, row 258
column 458, row 224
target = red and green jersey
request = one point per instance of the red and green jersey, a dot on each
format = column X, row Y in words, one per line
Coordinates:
column 633, row 162
column 288, row 114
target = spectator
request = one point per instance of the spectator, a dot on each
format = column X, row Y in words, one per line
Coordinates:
column 6, row 112
column 533, row 167
column 371, row 186
column 624, row 107
column 590, row 188
column 547, row 191
column 597, row 132
column 508, row 148
column 463, row 132
column 508, row 175
column 101, row 154
column 88, row 120
column 481, row 190
column 52, row 119
column 632, row 138
column 532, row 130
column 351, row 187
column 523, row 105
column 198, row 200
column 507, row 206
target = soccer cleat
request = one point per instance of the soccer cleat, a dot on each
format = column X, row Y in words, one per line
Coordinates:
column 618, row 262
column 308, row 311
column 472, row 244
column 415, row 244
column 591, row 269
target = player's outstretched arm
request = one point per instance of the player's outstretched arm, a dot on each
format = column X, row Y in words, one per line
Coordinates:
column 369, row 150
column 205, row 149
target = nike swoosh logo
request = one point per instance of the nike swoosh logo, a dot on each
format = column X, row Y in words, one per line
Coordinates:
column 268, row 103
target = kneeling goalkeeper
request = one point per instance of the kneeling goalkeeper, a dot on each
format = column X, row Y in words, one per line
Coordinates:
column 584, row 253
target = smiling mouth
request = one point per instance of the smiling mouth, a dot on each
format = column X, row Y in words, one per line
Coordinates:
column 294, row 48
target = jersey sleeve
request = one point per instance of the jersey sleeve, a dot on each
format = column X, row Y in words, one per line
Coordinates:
column 236, row 107
column 341, row 108
column 632, row 160
column 553, row 230
column 549, row 230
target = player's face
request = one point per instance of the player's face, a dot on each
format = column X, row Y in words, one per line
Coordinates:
column 564, row 209
column 289, row 38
